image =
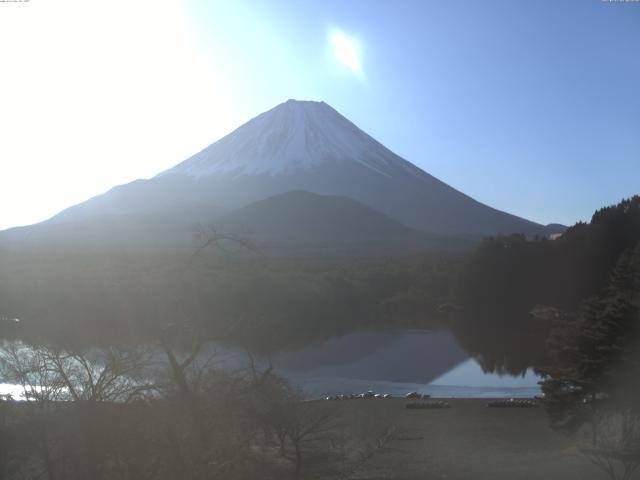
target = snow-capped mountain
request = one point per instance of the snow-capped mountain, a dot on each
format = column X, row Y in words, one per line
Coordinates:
column 291, row 138
column 302, row 145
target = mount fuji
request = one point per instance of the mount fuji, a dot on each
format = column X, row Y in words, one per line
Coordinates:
column 296, row 146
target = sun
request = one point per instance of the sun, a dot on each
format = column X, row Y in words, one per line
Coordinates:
column 346, row 51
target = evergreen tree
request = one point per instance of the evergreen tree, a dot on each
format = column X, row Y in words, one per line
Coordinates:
column 595, row 354
column 596, row 367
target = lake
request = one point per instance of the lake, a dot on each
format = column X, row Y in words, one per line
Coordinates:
column 397, row 362
column 394, row 361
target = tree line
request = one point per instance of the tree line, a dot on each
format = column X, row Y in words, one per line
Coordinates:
column 260, row 302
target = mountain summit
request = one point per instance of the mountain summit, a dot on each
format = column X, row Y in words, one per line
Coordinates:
column 309, row 146
column 292, row 137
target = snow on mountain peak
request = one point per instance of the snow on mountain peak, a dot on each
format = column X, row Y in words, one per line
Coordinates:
column 293, row 136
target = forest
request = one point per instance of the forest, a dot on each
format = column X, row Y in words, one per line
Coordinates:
column 512, row 274
column 514, row 289
column 260, row 302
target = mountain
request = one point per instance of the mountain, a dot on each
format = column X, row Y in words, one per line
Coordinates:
column 303, row 145
column 556, row 228
column 303, row 221
column 300, row 215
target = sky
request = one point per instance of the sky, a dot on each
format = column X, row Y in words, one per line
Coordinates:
column 532, row 107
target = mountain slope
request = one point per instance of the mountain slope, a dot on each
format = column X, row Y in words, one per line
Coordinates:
column 301, row 145
column 114, row 233
column 312, row 217
column 306, row 221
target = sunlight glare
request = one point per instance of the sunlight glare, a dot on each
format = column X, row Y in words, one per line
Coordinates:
column 346, row 50
column 96, row 94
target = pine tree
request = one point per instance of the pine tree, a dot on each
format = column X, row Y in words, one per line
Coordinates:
column 596, row 367
column 595, row 354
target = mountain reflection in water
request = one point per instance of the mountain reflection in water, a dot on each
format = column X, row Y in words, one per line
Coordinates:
column 396, row 362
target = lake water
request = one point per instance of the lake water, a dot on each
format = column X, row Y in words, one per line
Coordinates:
column 395, row 362
column 398, row 362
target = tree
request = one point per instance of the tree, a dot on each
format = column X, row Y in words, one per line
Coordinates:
column 595, row 358
column 69, row 415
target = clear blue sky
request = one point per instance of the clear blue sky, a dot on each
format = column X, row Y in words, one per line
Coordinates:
column 532, row 107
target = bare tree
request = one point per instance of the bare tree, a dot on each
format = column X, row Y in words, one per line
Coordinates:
column 111, row 374
column 615, row 448
column 69, row 394
column 29, row 369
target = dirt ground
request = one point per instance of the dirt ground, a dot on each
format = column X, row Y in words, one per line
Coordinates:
column 467, row 441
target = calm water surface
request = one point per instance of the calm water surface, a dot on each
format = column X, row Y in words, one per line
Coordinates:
column 395, row 362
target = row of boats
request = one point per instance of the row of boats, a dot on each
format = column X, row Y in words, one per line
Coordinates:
column 371, row 394
column 502, row 403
